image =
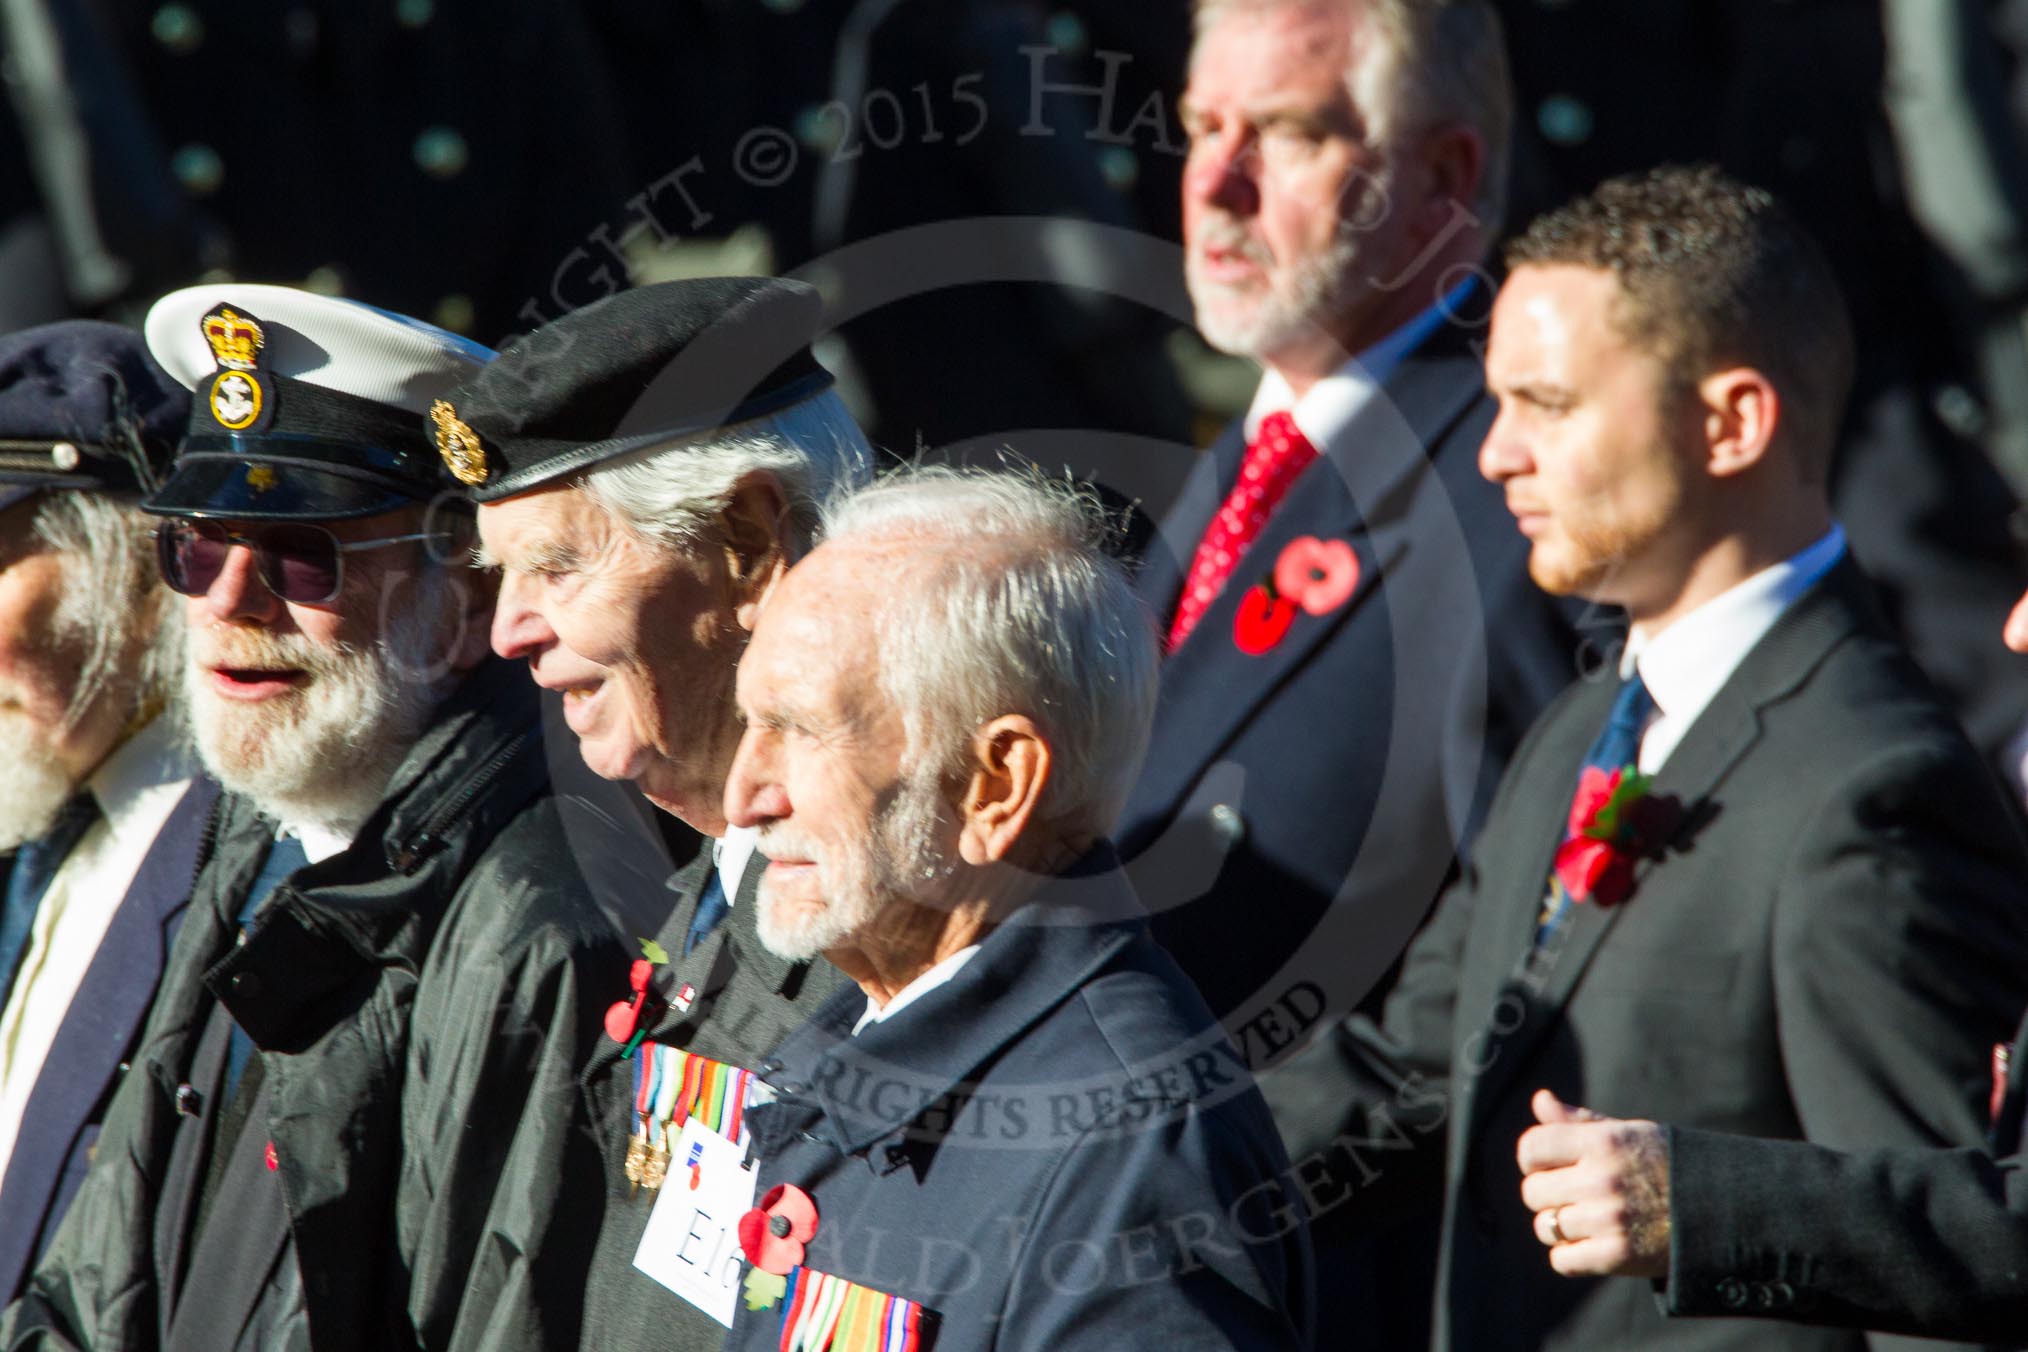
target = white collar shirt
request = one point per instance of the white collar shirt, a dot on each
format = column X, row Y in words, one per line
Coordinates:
column 730, row 854
column 1330, row 405
column 1686, row 665
column 915, row 990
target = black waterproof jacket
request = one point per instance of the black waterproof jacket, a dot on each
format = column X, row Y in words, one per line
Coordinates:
column 419, row 1003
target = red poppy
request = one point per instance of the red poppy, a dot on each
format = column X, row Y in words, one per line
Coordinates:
column 1318, row 575
column 1613, row 822
column 773, row 1234
column 623, row 1017
column 1261, row 620
column 1594, row 870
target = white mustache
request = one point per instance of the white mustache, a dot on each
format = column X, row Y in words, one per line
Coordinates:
column 258, row 650
column 1225, row 234
column 784, row 842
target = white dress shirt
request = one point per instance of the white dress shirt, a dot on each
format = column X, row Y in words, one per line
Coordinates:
column 137, row 787
column 1686, row 665
column 914, row 990
column 1330, row 405
column 319, row 842
column 730, row 853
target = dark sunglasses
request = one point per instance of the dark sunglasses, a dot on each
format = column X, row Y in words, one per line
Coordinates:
column 299, row 562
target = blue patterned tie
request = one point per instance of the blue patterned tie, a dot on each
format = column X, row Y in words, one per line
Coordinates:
column 35, row 866
column 1617, row 745
column 711, row 908
column 284, row 858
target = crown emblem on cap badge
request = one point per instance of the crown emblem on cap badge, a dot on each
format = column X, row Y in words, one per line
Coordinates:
column 459, row 445
column 235, row 339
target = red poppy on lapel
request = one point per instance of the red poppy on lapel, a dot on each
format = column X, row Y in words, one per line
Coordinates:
column 1318, row 575
column 1312, row 576
column 1614, row 823
column 623, row 1017
column 773, row 1234
column 1261, row 620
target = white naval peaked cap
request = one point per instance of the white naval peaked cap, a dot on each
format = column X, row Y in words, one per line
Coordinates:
column 339, row 344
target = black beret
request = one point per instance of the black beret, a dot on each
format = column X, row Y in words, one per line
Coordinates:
column 82, row 405
column 627, row 373
column 306, row 406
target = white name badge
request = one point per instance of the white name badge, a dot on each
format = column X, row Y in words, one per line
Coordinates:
column 691, row 1244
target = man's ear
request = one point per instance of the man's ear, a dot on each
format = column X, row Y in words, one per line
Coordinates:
column 754, row 532
column 1010, row 768
column 1454, row 158
column 1740, row 410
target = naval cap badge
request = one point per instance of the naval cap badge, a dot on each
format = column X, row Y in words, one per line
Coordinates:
column 237, row 395
column 459, row 445
column 236, row 339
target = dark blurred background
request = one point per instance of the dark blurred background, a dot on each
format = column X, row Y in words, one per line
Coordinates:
column 489, row 166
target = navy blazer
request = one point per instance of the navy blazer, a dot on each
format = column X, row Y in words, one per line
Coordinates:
column 1055, row 1149
column 54, row 1146
column 1349, row 762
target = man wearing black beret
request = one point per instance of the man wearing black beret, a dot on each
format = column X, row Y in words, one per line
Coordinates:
column 348, row 1122
column 100, row 805
column 646, row 469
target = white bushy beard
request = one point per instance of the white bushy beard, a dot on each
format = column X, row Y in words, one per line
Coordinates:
column 36, row 784
column 322, row 755
column 899, row 859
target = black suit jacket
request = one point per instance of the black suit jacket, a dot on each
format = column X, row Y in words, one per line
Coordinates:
column 1299, row 811
column 1832, row 942
column 1918, row 1241
column 61, row 1125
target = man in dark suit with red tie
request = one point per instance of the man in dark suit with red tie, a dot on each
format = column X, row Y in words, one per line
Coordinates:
column 1353, row 643
column 1755, row 881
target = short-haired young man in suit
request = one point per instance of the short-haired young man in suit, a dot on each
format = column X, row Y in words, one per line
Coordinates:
column 1812, row 921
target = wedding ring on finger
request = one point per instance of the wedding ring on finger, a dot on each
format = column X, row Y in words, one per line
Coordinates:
column 1556, row 1235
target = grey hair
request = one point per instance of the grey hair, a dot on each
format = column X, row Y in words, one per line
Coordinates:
column 1443, row 62
column 1022, row 611
column 111, row 590
column 673, row 493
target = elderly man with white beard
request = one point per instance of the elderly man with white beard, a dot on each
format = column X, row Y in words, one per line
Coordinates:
column 1024, row 1128
column 347, row 1125
column 100, row 805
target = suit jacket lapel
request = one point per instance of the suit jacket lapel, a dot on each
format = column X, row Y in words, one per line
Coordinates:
column 1711, row 747
column 103, row 1020
column 1356, row 488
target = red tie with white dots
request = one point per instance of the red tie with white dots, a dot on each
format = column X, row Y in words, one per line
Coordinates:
column 1278, row 453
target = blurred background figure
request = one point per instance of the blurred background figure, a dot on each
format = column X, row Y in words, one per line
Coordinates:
column 100, row 806
column 489, row 173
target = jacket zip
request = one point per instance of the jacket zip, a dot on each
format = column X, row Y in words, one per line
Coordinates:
column 405, row 855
